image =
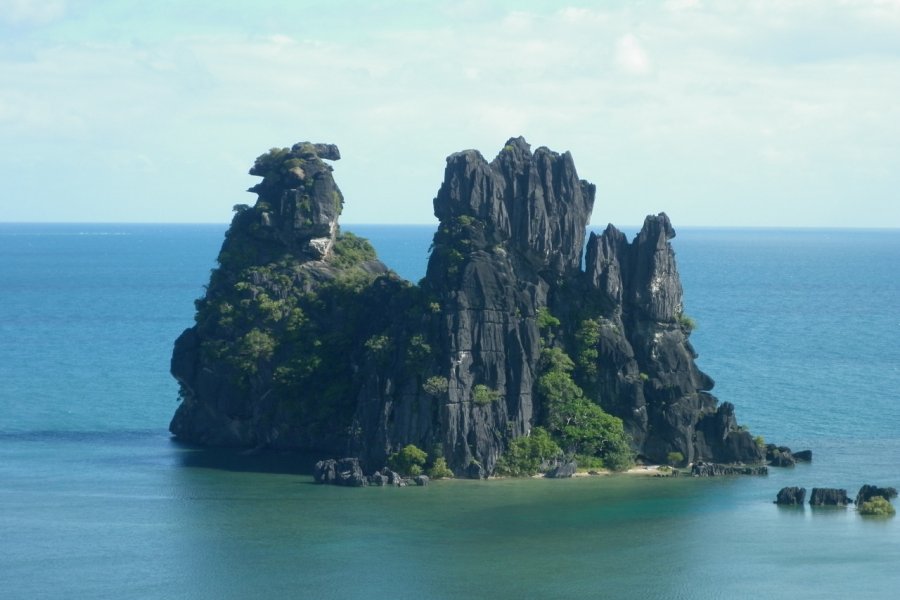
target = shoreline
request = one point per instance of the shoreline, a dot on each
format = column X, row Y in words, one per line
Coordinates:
column 637, row 471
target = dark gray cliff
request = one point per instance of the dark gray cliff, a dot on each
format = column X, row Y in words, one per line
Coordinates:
column 508, row 228
column 648, row 376
column 304, row 340
column 271, row 358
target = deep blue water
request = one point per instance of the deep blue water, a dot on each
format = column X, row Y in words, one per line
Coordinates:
column 799, row 328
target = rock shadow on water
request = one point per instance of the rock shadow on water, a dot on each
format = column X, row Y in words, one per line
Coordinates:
column 243, row 461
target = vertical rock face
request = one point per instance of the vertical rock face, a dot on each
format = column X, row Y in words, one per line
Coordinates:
column 648, row 375
column 509, row 230
column 535, row 203
column 451, row 365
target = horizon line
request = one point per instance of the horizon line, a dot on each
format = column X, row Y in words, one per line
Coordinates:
column 435, row 223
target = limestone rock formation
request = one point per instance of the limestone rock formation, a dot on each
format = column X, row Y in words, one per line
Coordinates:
column 828, row 497
column 782, row 456
column 563, row 470
column 304, row 340
column 705, row 469
column 791, row 496
column 867, row 492
column 345, row 471
column 249, row 370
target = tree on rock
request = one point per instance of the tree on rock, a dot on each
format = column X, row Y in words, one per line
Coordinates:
column 408, row 461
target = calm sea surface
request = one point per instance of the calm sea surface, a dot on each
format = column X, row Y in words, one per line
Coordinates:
column 800, row 329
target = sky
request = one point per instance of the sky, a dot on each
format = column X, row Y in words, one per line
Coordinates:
column 756, row 113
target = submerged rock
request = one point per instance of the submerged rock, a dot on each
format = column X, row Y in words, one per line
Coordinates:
column 563, row 470
column 304, row 340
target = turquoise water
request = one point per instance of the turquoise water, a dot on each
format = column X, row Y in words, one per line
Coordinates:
column 799, row 328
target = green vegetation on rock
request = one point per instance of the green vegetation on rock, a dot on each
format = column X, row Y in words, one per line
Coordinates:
column 436, row 386
column 289, row 333
column 408, row 461
column 877, row 507
column 351, row 250
column 686, row 323
column 578, row 425
column 440, row 470
column 482, row 395
column 572, row 422
column 545, row 320
column 675, row 459
column 525, row 454
column 587, row 337
column 418, row 352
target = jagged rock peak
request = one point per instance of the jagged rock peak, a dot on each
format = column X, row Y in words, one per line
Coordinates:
column 532, row 203
column 323, row 151
column 298, row 201
column 658, row 290
column 642, row 275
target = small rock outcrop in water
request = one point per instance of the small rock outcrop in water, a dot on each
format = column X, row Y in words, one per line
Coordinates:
column 782, row 456
column 791, row 496
column 563, row 470
column 703, row 469
column 304, row 340
column 867, row 492
column 828, row 497
column 345, row 471
column 802, row 456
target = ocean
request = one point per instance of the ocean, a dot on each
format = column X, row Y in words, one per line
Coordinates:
column 799, row 328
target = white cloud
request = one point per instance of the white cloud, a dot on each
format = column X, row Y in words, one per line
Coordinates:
column 518, row 22
column 31, row 12
column 724, row 113
column 882, row 12
column 681, row 5
column 280, row 39
column 576, row 14
column 630, row 55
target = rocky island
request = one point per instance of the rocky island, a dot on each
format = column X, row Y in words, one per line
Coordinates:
column 521, row 345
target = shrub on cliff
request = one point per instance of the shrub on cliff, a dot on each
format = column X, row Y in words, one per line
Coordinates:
column 686, row 323
column 482, row 395
column 435, row 386
column 587, row 337
column 545, row 320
